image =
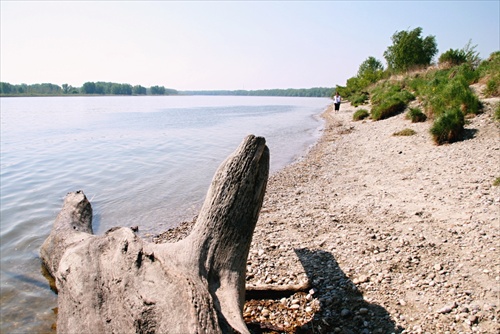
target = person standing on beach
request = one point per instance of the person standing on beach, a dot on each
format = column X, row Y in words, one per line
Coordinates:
column 336, row 101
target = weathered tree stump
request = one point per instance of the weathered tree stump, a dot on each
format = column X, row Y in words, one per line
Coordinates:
column 119, row 283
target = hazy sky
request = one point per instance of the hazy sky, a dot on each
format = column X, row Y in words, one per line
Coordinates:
column 225, row 44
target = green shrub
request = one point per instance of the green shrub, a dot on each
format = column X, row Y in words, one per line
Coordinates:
column 492, row 88
column 389, row 99
column 464, row 72
column 458, row 94
column 416, row 115
column 360, row 114
column 448, row 127
column 359, row 99
column 405, row 132
column 490, row 66
column 388, row 108
column 489, row 72
column 448, row 89
column 453, row 57
column 416, row 84
column 405, row 96
column 384, row 91
column 497, row 113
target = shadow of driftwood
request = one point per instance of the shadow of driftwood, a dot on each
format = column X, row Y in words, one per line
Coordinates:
column 343, row 308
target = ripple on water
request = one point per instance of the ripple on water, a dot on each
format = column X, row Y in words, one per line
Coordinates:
column 140, row 161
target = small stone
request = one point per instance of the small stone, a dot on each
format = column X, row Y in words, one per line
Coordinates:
column 363, row 310
column 473, row 319
column 438, row 266
column 295, row 306
column 345, row 313
column 364, row 278
column 445, row 310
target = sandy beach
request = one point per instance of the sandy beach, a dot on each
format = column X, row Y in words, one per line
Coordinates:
column 393, row 234
column 380, row 233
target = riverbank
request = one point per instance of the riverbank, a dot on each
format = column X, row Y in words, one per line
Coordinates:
column 393, row 234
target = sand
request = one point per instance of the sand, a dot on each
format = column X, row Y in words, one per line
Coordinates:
column 390, row 234
column 395, row 234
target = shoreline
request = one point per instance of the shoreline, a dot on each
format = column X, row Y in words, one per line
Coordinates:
column 393, row 234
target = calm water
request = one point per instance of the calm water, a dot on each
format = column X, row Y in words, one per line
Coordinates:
column 145, row 161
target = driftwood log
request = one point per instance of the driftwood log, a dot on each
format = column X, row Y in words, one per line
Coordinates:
column 119, row 283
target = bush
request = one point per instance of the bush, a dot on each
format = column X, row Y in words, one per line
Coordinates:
column 497, row 113
column 416, row 84
column 360, row 114
column 453, row 57
column 489, row 72
column 384, row 91
column 492, row 88
column 359, row 99
column 448, row 89
column 405, row 132
column 448, row 127
column 387, row 109
column 416, row 115
column 458, row 94
column 389, row 99
column 464, row 72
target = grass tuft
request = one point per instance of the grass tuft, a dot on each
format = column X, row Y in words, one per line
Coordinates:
column 405, row 132
column 416, row 115
column 448, row 127
column 496, row 183
column 360, row 114
column 388, row 108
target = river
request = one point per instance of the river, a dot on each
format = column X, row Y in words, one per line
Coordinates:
column 142, row 161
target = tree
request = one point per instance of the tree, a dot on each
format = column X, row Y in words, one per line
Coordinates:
column 370, row 66
column 6, row 88
column 157, row 90
column 88, row 88
column 66, row 88
column 410, row 50
column 121, row 89
column 139, row 90
column 370, row 71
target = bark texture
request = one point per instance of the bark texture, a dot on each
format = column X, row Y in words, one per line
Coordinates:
column 119, row 283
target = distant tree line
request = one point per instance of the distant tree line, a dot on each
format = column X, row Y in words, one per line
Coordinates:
column 88, row 88
column 302, row 92
column 112, row 88
column 24, row 89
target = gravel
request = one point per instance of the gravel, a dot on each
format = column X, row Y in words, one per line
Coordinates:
column 380, row 234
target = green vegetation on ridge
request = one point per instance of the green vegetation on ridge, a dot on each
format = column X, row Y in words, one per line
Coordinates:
column 442, row 91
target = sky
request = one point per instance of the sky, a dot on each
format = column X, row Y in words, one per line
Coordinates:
column 217, row 45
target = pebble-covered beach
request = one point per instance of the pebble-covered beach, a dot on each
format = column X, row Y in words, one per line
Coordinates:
column 380, row 233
